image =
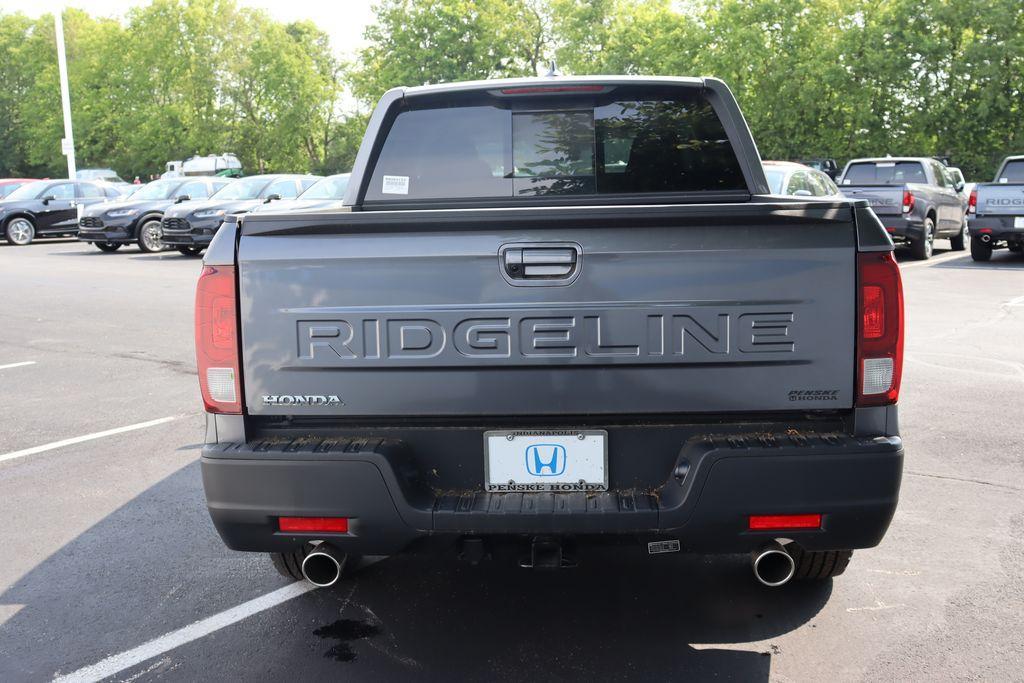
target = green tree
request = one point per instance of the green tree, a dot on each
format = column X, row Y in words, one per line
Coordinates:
column 432, row 41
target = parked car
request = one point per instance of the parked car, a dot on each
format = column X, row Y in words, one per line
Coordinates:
column 48, row 208
column 105, row 175
column 137, row 219
column 996, row 211
column 9, row 185
column 913, row 196
column 827, row 166
column 190, row 227
column 787, row 177
column 560, row 312
column 326, row 193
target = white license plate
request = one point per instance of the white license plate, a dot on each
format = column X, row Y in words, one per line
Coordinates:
column 1018, row 222
column 536, row 460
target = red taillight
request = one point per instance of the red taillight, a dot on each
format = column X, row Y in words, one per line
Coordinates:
column 972, row 203
column 332, row 525
column 781, row 522
column 908, row 201
column 879, row 329
column 217, row 340
column 545, row 89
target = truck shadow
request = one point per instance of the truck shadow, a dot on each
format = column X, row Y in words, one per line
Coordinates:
column 156, row 564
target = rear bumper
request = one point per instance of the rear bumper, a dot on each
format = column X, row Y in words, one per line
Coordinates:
column 715, row 484
column 907, row 227
column 1001, row 228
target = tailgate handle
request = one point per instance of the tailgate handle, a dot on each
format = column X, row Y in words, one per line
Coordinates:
column 540, row 263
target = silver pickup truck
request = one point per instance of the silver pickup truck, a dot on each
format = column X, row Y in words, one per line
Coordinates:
column 916, row 198
column 995, row 211
column 554, row 313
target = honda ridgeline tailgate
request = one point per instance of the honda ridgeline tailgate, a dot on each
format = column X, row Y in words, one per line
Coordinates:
column 552, row 310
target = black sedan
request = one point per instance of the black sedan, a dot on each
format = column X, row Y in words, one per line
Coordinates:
column 191, row 228
column 137, row 219
column 48, row 208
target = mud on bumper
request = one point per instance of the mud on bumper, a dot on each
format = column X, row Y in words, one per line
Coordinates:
column 705, row 501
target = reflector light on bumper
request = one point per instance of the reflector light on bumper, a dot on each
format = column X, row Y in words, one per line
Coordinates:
column 333, row 525
column 781, row 522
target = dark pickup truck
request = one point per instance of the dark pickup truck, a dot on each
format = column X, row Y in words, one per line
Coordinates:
column 995, row 211
column 553, row 313
column 916, row 198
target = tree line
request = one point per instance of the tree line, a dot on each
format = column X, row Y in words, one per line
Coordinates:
column 815, row 78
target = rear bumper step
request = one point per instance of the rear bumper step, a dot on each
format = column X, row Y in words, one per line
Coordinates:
column 705, row 501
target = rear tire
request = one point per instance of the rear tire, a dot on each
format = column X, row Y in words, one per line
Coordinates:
column 289, row 565
column 922, row 248
column 979, row 250
column 108, row 246
column 959, row 240
column 818, row 565
column 190, row 251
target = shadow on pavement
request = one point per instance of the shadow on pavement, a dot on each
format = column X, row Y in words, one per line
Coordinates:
column 156, row 565
column 1002, row 259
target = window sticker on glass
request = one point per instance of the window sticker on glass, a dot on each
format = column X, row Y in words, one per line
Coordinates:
column 395, row 184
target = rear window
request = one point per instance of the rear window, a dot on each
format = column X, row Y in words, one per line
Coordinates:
column 1013, row 172
column 623, row 142
column 885, row 173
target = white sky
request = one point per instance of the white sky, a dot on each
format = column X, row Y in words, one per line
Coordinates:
column 342, row 20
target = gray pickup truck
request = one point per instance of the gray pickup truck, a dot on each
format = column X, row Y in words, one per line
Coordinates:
column 995, row 211
column 916, row 198
column 554, row 313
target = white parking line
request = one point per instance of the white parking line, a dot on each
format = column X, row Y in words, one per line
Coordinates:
column 17, row 365
column 935, row 259
column 204, row 627
column 79, row 439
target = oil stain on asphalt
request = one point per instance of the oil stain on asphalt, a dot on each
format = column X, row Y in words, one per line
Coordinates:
column 345, row 631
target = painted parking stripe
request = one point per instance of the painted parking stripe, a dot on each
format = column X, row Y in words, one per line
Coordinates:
column 204, row 627
column 935, row 259
column 17, row 365
column 79, row 439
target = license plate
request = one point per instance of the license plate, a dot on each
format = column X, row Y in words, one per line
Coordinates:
column 1018, row 222
column 538, row 460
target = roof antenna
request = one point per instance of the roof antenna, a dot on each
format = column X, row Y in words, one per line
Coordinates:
column 553, row 70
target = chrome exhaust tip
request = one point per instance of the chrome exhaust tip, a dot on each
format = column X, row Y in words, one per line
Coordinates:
column 323, row 566
column 772, row 565
column 986, row 238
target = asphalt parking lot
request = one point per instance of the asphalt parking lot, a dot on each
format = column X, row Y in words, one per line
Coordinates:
column 109, row 565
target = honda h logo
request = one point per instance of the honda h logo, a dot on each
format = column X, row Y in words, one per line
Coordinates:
column 545, row 459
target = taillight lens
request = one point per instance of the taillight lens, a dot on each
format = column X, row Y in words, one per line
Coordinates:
column 217, row 340
column 972, row 203
column 908, row 201
column 879, row 329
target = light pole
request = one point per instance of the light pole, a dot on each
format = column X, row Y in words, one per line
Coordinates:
column 67, row 145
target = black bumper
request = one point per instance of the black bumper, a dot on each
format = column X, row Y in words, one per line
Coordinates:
column 112, row 234
column 903, row 227
column 187, row 239
column 999, row 228
column 705, row 501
